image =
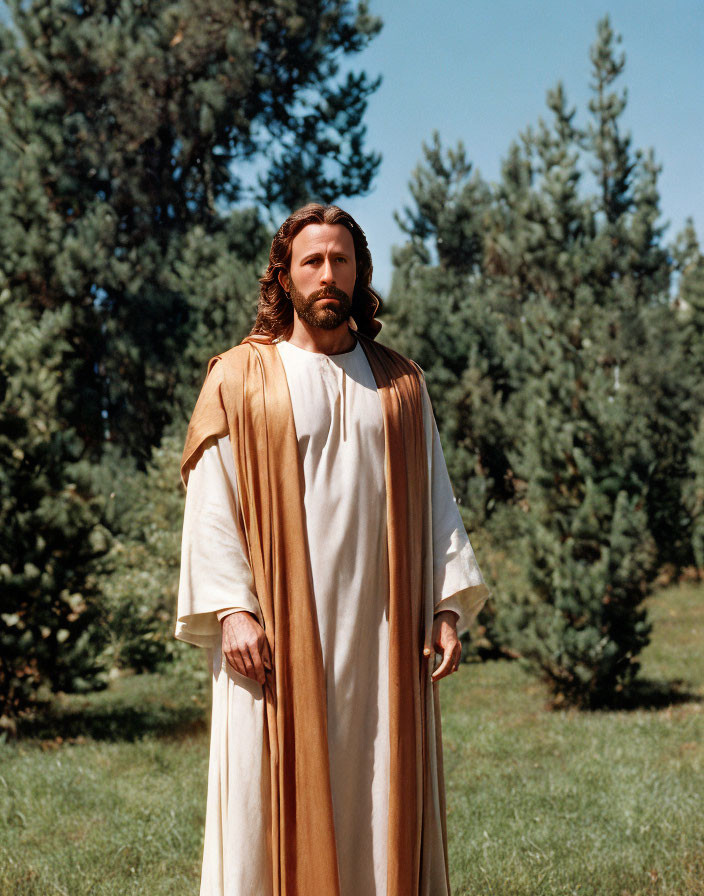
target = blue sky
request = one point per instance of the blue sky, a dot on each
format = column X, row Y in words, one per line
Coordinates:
column 479, row 72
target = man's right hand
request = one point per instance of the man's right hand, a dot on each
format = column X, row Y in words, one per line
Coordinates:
column 245, row 646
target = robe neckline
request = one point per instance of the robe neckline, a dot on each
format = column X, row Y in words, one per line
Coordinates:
column 350, row 351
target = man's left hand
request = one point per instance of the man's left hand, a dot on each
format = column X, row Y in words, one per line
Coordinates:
column 446, row 642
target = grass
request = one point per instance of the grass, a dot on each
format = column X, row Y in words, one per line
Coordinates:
column 581, row 803
column 105, row 795
column 114, row 815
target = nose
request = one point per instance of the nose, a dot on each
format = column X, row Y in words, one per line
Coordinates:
column 326, row 274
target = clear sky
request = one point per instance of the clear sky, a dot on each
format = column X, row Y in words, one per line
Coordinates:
column 479, row 72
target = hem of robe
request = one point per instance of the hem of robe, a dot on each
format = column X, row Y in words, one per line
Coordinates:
column 204, row 629
column 467, row 603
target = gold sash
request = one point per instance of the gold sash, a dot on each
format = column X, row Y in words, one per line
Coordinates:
column 246, row 395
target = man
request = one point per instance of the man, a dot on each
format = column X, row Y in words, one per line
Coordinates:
column 324, row 563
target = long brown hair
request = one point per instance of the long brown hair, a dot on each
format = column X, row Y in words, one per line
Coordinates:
column 275, row 310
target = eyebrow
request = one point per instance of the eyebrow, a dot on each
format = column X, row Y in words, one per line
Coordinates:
column 319, row 253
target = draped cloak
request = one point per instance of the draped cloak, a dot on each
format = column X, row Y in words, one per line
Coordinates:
column 249, row 401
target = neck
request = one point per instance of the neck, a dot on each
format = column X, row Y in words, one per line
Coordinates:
column 316, row 339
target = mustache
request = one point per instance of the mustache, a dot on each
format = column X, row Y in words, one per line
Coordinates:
column 328, row 292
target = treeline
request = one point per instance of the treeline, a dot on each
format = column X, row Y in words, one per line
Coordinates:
column 560, row 335
column 139, row 145
column 563, row 344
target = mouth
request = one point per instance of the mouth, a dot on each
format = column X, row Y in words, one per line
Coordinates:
column 330, row 294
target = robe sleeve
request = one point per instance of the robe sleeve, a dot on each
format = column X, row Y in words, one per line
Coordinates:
column 458, row 584
column 215, row 575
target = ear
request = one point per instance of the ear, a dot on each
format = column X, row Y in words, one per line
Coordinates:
column 284, row 280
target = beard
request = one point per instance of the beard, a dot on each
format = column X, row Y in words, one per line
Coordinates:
column 328, row 317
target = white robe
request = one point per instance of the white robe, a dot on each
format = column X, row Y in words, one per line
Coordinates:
column 339, row 427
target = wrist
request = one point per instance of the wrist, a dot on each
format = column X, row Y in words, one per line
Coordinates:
column 225, row 614
column 448, row 616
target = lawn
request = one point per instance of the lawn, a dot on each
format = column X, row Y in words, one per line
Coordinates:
column 106, row 797
column 592, row 804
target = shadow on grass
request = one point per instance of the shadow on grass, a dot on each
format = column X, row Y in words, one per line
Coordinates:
column 651, row 693
column 119, row 722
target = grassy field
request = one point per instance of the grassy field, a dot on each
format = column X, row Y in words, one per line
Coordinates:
column 106, row 798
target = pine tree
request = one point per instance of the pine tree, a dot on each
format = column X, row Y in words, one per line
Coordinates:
column 614, row 164
column 580, row 468
column 586, row 546
column 126, row 128
column 49, row 519
column 438, row 315
column 588, row 452
column 632, row 272
column 689, row 320
column 695, row 494
column 441, row 314
column 139, row 574
column 139, row 144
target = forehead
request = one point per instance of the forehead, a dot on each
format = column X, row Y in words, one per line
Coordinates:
column 322, row 238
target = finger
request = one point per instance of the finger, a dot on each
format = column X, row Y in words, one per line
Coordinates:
column 246, row 659
column 231, row 653
column 441, row 642
column 234, row 658
column 445, row 667
column 257, row 666
column 266, row 655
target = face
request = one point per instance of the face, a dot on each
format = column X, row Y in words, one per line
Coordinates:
column 322, row 275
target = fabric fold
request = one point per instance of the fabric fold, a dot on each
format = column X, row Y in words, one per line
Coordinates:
column 246, row 396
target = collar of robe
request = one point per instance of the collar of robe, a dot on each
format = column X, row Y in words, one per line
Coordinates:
column 246, row 396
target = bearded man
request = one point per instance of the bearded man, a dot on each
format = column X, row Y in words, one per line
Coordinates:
column 324, row 564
